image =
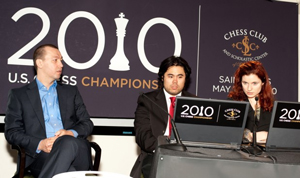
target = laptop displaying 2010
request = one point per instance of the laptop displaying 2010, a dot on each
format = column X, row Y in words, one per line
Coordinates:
column 284, row 129
column 210, row 123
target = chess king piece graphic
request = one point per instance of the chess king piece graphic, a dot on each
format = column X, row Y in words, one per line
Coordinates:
column 120, row 62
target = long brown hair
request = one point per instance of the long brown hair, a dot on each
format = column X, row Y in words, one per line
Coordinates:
column 266, row 97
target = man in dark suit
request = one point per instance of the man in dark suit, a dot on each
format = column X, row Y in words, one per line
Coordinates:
column 49, row 120
column 151, row 121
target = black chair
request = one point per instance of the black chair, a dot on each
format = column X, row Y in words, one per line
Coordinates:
column 21, row 171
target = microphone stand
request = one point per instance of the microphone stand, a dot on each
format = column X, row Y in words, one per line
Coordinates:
column 254, row 150
column 178, row 146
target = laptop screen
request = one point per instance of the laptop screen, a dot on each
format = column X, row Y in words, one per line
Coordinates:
column 210, row 120
column 284, row 126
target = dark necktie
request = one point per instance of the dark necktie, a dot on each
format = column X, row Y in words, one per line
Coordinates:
column 171, row 112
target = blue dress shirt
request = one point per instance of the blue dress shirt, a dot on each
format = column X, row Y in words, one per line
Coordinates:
column 51, row 111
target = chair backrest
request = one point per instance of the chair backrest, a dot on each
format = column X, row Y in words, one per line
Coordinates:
column 98, row 152
column 90, row 174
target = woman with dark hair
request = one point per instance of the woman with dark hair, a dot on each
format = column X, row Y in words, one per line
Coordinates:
column 252, row 84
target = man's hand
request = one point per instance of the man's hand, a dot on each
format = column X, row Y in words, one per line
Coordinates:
column 64, row 132
column 46, row 144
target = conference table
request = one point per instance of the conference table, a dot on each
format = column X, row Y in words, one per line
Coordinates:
column 222, row 163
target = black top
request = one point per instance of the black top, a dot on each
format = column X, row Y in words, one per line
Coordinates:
column 263, row 123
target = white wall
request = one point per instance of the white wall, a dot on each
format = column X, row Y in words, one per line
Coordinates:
column 118, row 154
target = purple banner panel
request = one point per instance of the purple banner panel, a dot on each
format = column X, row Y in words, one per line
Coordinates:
column 112, row 49
column 239, row 31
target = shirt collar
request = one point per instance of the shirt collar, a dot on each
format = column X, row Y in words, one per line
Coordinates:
column 41, row 86
column 168, row 95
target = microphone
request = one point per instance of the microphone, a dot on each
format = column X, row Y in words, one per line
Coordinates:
column 255, row 150
column 179, row 146
column 255, row 126
column 256, row 99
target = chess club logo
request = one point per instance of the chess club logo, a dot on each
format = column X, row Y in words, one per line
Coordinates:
column 232, row 114
column 246, row 45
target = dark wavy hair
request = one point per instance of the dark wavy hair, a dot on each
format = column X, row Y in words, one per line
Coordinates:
column 266, row 97
column 174, row 61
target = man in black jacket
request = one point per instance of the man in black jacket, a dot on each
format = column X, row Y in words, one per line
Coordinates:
column 49, row 120
column 150, row 120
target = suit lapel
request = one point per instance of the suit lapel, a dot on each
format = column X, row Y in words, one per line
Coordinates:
column 161, row 101
column 185, row 93
column 34, row 98
column 62, row 100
